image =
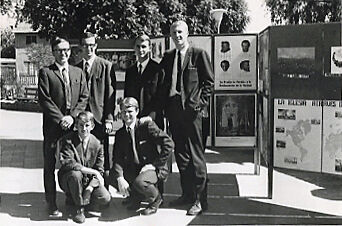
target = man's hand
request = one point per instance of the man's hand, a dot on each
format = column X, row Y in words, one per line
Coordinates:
column 108, row 127
column 66, row 122
column 123, row 186
column 147, row 167
column 144, row 119
column 99, row 177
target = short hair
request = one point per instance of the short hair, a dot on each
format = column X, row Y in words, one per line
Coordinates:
column 246, row 41
column 57, row 40
column 85, row 116
column 180, row 23
column 87, row 35
column 142, row 37
column 129, row 102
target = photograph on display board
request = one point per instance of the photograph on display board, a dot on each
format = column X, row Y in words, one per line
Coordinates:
column 332, row 137
column 235, row 62
column 158, row 48
column 296, row 62
column 235, row 119
column 336, row 60
column 297, row 124
column 203, row 42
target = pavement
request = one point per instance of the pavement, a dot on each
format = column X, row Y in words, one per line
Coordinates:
column 237, row 196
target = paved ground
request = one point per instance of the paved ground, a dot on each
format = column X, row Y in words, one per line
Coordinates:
column 236, row 195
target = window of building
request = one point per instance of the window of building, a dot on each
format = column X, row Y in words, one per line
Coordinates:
column 31, row 68
column 31, row 39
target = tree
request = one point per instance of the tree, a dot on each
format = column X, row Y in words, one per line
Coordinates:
column 40, row 54
column 125, row 18
column 7, row 43
column 304, row 11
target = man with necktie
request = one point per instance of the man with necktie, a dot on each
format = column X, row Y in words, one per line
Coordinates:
column 101, row 81
column 62, row 94
column 143, row 80
column 140, row 155
column 187, row 85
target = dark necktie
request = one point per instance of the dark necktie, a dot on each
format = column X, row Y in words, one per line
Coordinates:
column 135, row 153
column 179, row 71
column 141, row 99
column 87, row 70
column 67, row 88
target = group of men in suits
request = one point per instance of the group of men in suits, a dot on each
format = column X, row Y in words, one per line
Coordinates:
column 180, row 86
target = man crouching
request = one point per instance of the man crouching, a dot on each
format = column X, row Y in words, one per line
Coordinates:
column 82, row 167
column 140, row 155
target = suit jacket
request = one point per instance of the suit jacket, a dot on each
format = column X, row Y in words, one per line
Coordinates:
column 151, row 80
column 153, row 146
column 51, row 97
column 197, row 78
column 102, row 88
column 71, row 154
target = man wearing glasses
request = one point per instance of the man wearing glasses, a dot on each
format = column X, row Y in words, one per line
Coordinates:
column 101, row 82
column 62, row 94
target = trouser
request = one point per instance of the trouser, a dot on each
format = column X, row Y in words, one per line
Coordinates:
column 49, row 154
column 146, row 184
column 186, row 130
column 72, row 184
column 99, row 133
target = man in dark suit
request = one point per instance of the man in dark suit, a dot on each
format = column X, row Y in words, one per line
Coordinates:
column 82, row 159
column 141, row 151
column 62, row 94
column 101, row 81
column 143, row 80
column 187, row 84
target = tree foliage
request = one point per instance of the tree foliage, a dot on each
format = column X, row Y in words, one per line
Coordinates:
column 7, row 43
column 304, row 11
column 40, row 54
column 125, row 18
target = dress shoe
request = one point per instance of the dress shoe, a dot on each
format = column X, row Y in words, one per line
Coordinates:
column 79, row 216
column 183, row 200
column 153, row 207
column 86, row 197
column 195, row 209
column 54, row 212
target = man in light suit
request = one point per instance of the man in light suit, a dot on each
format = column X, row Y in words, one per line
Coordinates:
column 143, row 81
column 187, row 84
column 141, row 151
column 81, row 173
column 101, row 81
column 62, row 94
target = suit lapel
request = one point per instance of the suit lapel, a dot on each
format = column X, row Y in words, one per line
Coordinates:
column 79, row 149
column 187, row 58
column 95, row 68
column 55, row 69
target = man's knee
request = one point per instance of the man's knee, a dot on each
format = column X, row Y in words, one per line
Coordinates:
column 74, row 176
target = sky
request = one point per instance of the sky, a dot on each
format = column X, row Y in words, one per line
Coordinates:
column 260, row 19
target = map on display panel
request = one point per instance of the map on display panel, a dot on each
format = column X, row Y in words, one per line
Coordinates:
column 297, row 134
column 332, row 137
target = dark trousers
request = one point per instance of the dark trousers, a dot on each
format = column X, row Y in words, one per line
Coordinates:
column 72, row 184
column 186, row 130
column 146, row 185
column 49, row 154
column 99, row 133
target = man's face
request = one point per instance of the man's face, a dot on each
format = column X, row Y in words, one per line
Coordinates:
column 142, row 49
column 225, row 47
column 61, row 52
column 179, row 35
column 89, row 47
column 224, row 66
column 129, row 115
column 84, row 128
column 245, row 46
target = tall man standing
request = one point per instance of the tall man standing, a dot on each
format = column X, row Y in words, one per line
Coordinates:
column 188, row 84
column 101, row 81
column 143, row 80
column 62, row 94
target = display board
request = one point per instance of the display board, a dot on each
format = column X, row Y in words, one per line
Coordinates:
column 264, row 78
column 235, row 120
column 332, row 137
column 203, row 42
column 235, row 62
column 297, row 134
column 158, row 48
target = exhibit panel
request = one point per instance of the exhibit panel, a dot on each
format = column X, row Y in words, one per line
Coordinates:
column 235, row 120
column 235, row 62
column 297, row 134
column 332, row 137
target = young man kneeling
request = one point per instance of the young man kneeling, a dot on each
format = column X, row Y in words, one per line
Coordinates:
column 82, row 167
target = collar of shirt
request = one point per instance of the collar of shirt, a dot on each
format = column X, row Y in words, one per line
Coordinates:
column 183, row 51
column 90, row 61
column 86, row 140
column 143, row 64
column 131, row 126
column 61, row 67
